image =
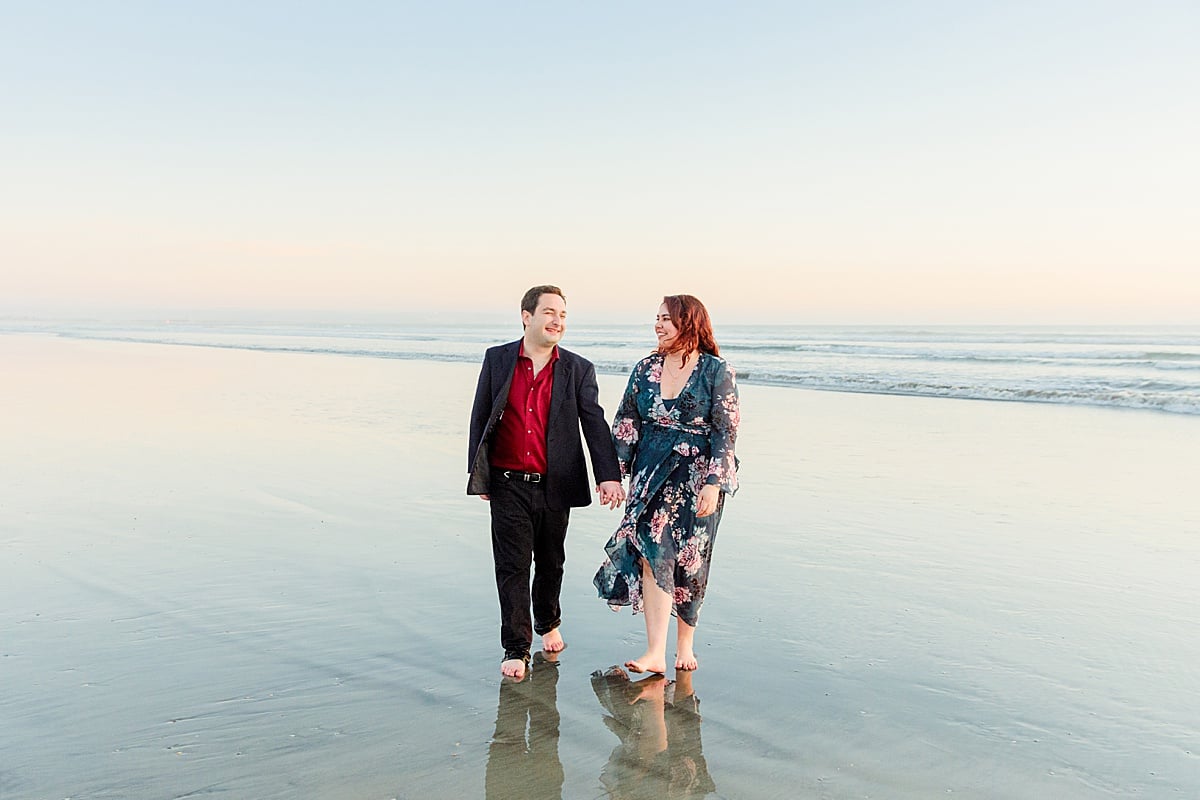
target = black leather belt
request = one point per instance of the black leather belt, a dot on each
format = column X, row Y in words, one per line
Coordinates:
column 528, row 477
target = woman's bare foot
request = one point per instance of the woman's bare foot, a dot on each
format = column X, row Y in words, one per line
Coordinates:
column 552, row 641
column 685, row 656
column 513, row 668
column 647, row 662
column 686, row 660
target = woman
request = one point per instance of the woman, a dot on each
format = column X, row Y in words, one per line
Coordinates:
column 675, row 431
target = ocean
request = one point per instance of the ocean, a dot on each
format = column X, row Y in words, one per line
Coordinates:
column 1150, row 368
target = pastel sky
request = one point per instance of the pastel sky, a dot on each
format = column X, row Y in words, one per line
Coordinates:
column 794, row 161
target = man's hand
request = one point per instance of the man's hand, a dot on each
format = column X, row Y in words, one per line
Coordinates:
column 611, row 493
column 706, row 503
column 485, row 497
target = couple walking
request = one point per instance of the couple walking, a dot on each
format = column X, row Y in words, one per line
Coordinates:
column 673, row 438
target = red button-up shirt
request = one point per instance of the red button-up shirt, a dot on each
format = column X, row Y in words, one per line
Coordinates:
column 520, row 441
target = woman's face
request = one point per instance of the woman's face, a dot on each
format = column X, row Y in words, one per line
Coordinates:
column 664, row 329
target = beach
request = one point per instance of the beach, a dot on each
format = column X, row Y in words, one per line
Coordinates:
column 257, row 575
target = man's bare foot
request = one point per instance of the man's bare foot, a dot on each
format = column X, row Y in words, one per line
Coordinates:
column 552, row 641
column 513, row 668
column 647, row 662
column 686, row 660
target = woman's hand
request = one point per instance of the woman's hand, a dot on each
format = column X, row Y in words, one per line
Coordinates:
column 611, row 493
column 706, row 503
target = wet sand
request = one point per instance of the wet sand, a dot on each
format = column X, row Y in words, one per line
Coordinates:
column 257, row 575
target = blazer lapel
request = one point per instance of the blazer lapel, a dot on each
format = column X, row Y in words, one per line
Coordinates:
column 562, row 378
column 508, row 363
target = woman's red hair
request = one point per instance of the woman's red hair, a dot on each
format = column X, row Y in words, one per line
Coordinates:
column 690, row 318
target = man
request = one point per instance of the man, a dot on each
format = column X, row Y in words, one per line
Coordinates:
column 526, row 459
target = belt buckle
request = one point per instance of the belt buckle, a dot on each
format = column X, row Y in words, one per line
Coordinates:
column 526, row 477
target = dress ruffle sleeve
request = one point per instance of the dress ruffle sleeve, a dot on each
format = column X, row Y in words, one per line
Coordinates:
column 726, row 415
column 627, row 422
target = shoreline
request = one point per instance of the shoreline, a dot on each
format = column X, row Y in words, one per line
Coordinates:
column 1186, row 407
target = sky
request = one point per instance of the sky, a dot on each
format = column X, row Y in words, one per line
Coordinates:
column 856, row 162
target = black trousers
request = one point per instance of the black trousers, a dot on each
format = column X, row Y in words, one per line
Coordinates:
column 526, row 533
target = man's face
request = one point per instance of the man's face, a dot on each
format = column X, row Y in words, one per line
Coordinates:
column 546, row 325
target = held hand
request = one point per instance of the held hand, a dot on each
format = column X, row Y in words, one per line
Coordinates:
column 611, row 493
column 485, row 497
column 706, row 502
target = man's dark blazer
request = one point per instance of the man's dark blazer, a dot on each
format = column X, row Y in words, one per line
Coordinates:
column 574, row 405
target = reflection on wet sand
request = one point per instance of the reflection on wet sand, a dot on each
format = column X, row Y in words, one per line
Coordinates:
column 523, row 763
column 658, row 723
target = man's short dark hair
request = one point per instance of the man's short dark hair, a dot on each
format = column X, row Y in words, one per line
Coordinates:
column 530, row 301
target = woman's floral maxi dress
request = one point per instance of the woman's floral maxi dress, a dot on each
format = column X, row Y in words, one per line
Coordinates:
column 671, row 450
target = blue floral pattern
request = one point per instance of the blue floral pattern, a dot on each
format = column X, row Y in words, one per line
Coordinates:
column 669, row 454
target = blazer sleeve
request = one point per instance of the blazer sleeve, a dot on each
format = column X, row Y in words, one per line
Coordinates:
column 481, row 410
column 595, row 429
